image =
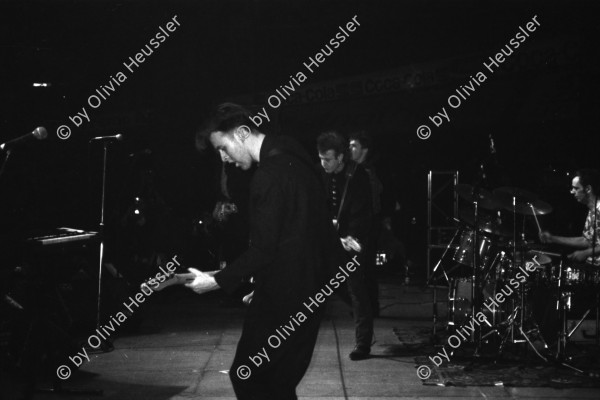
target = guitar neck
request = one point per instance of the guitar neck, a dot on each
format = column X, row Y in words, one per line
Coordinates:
column 156, row 285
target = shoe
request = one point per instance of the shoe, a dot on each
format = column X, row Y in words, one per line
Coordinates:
column 360, row 353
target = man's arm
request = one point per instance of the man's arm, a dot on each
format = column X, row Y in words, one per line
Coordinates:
column 265, row 226
column 582, row 255
column 266, row 221
column 578, row 242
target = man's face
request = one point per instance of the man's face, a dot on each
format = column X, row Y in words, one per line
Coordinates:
column 356, row 150
column 578, row 191
column 330, row 161
column 232, row 148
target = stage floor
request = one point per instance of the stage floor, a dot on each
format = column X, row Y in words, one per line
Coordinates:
column 185, row 344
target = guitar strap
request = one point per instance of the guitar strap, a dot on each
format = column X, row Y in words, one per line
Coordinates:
column 349, row 174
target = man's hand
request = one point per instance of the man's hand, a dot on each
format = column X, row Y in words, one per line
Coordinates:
column 579, row 256
column 248, row 298
column 546, row 237
column 204, row 282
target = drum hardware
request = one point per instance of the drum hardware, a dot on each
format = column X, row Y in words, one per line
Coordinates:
column 464, row 253
column 479, row 197
column 563, row 303
column 526, row 336
column 497, row 254
column 476, row 334
column 431, row 279
column 516, row 319
column 520, row 202
column 571, row 275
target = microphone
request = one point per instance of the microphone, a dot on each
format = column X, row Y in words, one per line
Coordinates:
column 39, row 133
column 117, row 137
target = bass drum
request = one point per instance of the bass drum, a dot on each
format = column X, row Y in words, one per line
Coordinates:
column 460, row 303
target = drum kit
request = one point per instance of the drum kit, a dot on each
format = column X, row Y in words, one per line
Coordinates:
column 500, row 271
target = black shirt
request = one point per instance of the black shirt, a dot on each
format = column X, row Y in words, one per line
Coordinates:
column 293, row 246
column 355, row 218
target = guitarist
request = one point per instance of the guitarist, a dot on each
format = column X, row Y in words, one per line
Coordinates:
column 350, row 206
column 293, row 250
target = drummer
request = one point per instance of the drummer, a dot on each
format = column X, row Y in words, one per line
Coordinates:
column 585, row 188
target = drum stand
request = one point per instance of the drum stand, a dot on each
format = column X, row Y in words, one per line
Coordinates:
column 431, row 279
column 596, row 337
column 517, row 318
column 564, row 334
column 476, row 288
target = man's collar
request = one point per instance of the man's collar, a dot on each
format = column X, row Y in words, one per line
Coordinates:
column 267, row 145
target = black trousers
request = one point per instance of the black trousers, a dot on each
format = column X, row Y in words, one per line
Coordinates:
column 357, row 296
column 284, row 354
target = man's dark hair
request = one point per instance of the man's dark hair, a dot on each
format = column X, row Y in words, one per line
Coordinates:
column 332, row 140
column 363, row 138
column 588, row 176
column 224, row 118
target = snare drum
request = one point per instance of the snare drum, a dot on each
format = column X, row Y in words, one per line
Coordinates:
column 464, row 253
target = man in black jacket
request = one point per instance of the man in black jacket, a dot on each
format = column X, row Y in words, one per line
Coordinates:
column 293, row 251
column 350, row 206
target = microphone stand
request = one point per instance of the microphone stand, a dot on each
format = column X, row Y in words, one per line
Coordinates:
column 106, row 344
column 8, row 152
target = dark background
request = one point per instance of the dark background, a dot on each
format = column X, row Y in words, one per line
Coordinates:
column 540, row 107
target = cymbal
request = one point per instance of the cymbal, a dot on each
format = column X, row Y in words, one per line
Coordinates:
column 484, row 198
column 542, row 255
column 521, row 244
column 484, row 224
column 520, row 194
column 537, row 207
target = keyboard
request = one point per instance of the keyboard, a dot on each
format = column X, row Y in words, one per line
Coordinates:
column 62, row 235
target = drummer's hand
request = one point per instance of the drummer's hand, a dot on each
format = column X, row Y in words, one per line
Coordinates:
column 579, row 256
column 545, row 237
